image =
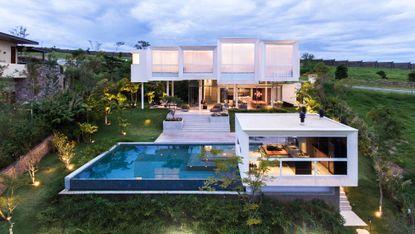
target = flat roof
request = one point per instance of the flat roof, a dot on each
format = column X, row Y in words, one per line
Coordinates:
column 17, row 40
column 275, row 122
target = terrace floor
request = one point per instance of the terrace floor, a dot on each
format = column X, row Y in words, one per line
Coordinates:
column 199, row 127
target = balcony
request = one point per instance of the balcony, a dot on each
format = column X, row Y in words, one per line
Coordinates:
column 11, row 70
column 278, row 73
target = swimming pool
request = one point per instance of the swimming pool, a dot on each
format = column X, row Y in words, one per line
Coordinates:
column 151, row 166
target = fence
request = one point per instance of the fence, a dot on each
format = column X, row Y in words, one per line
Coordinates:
column 375, row 64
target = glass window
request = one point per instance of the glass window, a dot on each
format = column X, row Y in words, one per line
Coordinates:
column 238, row 57
column 165, row 61
column 198, row 61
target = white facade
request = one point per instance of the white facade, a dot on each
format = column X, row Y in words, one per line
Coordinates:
column 235, row 67
column 232, row 61
column 315, row 169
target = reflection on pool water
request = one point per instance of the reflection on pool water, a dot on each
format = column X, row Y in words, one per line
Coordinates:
column 158, row 162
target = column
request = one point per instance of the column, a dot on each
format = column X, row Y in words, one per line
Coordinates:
column 167, row 88
column 142, row 95
column 218, row 94
column 266, row 93
column 172, row 88
column 236, row 96
column 200, row 95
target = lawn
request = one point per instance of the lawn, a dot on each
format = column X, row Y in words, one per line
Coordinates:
column 41, row 210
column 365, row 197
column 146, row 125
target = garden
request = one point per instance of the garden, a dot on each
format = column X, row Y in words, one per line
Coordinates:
column 98, row 109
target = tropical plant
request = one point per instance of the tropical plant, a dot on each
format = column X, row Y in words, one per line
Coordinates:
column 65, row 149
column 123, row 125
column 172, row 102
column 341, row 72
column 131, row 89
column 150, row 97
column 87, row 131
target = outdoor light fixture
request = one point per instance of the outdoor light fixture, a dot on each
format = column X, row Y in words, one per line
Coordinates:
column 208, row 148
column 36, row 183
column 302, row 118
column 147, row 122
column 70, row 167
column 321, row 113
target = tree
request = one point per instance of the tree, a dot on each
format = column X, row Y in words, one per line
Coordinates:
column 118, row 44
column 307, row 63
column 65, row 149
column 341, row 72
column 125, row 85
column 8, row 201
column 411, row 76
column 31, row 168
column 19, row 31
column 382, row 74
column 123, row 124
column 142, row 45
column 386, row 129
column 87, row 131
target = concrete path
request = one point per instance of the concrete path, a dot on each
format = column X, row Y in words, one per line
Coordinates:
column 198, row 127
column 350, row 218
column 384, row 89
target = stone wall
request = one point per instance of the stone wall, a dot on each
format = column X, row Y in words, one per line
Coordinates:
column 42, row 81
column 20, row 166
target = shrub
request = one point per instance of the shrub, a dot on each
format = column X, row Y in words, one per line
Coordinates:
column 341, row 72
column 411, row 76
column 88, row 130
column 382, row 74
column 65, row 148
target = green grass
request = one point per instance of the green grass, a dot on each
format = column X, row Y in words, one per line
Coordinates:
column 369, row 73
column 31, row 200
column 365, row 197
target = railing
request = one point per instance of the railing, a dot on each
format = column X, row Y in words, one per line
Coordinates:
column 12, row 70
column 278, row 72
column 315, row 168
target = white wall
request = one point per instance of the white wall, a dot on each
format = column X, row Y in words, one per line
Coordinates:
column 5, row 51
column 289, row 92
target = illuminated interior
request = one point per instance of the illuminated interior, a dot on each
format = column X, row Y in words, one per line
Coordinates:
column 165, row 61
column 198, row 61
column 238, row 57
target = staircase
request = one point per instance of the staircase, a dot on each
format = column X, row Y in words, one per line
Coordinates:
column 201, row 123
column 344, row 202
column 350, row 218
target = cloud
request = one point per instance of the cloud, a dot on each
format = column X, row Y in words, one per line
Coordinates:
column 354, row 29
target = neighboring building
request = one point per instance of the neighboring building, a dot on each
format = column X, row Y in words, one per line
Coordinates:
column 235, row 71
column 8, row 56
column 312, row 159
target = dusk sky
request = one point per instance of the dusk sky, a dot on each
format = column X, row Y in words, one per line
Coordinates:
column 351, row 29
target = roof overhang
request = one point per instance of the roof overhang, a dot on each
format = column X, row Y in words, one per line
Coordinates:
column 16, row 40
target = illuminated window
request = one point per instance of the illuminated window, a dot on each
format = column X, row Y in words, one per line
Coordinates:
column 198, row 61
column 136, row 58
column 238, row 57
column 278, row 60
column 165, row 61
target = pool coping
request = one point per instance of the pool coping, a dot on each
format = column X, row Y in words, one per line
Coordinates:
column 147, row 192
column 68, row 178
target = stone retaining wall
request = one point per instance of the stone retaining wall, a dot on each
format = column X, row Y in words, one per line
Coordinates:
column 19, row 167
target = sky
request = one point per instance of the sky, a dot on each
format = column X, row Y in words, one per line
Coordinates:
column 366, row 30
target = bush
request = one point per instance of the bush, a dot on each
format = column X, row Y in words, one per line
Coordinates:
column 341, row 72
column 382, row 74
column 411, row 76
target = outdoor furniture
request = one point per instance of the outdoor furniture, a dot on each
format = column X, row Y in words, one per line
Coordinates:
column 275, row 151
column 216, row 108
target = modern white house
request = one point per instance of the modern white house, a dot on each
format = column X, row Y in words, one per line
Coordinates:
column 240, row 72
column 314, row 157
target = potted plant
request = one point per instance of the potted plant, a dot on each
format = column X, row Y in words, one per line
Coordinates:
column 171, row 122
column 185, row 107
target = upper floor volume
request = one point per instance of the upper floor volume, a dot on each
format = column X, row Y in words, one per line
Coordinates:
column 231, row 61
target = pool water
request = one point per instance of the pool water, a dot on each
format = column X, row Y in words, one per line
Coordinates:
column 158, row 162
